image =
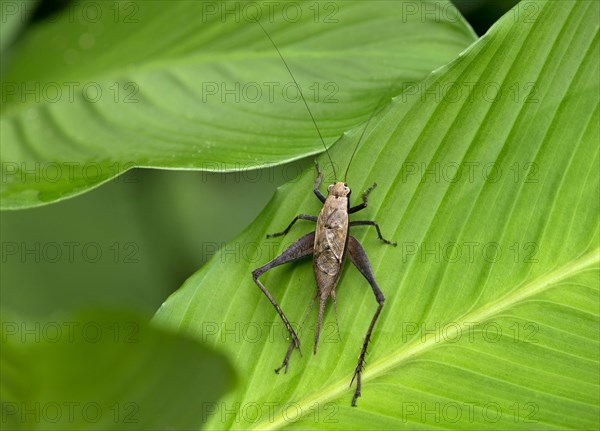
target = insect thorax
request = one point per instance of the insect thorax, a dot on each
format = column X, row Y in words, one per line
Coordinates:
column 339, row 189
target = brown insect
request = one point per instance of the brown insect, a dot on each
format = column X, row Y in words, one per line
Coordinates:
column 329, row 245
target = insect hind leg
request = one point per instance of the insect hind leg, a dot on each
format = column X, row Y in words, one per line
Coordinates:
column 292, row 344
column 303, row 247
column 359, row 258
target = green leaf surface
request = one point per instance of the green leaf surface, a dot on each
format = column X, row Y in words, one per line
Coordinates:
column 488, row 178
column 105, row 370
column 197, row 85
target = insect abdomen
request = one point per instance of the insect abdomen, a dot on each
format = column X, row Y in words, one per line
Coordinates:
column 330, row 243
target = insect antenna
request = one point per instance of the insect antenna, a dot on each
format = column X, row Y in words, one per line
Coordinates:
column 301, row 94
column 376, row 110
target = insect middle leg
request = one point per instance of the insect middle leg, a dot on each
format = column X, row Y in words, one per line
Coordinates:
column 287, row 229
column 303, row 247
column 359, row 258
column 372, row 223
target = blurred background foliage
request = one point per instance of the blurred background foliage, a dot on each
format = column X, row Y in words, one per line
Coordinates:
column 131, row 242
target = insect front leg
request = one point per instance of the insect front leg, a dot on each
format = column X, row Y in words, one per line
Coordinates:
column 359, row 258
column 372, row 223
column 299, row 249
column 287, row 229
column 316, row 190
column 365, row 200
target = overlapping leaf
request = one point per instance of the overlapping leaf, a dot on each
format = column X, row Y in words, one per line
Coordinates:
column 105, row 370
column 105, row 87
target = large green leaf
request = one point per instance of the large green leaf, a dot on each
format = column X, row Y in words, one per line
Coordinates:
column 105, row 370
column 488, row 178
column 197, row 85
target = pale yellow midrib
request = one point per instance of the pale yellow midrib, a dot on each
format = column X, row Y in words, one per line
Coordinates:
column 384, row 365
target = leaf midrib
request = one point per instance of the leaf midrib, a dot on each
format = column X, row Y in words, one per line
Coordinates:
column 384, row 365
